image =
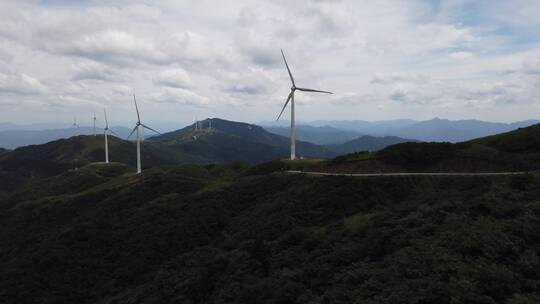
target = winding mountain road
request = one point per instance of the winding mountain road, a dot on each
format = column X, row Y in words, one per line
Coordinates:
column 408, row 174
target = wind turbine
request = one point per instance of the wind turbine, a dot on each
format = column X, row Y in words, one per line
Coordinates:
column 137, row 128
column 291, row 99
column 105, row 133
column 95, row 124
column 75, row 126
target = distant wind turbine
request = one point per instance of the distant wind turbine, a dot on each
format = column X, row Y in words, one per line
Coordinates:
column 137, row 128
column 75, row 126
column 105, row 133
column 95, row 124
column 291, row 99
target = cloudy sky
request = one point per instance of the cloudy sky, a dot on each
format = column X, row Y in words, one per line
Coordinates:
column 416, row 59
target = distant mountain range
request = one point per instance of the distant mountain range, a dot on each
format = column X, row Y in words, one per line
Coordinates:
column 339, row 141
column 381, row 127
column 456, row 131
column 440, row 130
column 320, row 132
column 366, row 143
column 323, row 135
column 225, row 141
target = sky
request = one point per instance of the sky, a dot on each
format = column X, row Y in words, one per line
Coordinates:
column 188, row 60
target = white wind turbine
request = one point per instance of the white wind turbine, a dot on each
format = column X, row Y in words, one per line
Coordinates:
column 137, row 128
column 105, row 133
column 291, row 99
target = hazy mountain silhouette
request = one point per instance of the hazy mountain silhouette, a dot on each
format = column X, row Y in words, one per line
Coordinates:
column 430, row 130
column 324, row 135
column 14, row 138
column 366, row 143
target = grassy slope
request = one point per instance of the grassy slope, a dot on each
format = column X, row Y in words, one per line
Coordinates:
column 206, row 235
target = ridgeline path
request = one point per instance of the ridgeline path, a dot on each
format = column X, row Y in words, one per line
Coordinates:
column 409, row 174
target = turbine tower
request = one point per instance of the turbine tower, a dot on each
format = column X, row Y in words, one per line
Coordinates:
column 291, row 99
column 137, row 128
column 105, row 133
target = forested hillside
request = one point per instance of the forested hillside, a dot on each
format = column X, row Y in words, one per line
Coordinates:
column 219, row 234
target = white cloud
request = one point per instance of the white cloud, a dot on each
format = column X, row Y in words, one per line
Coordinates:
column 532, row 67
column 433, row 60
column 179, row 96
column 94, row 71
column 390, row 78
column 116, row 47
column 176, row 78
column 20, row 83
column 461, row 55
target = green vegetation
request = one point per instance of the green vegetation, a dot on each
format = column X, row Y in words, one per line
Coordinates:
column 523, row 140
column 213, row 234
column 513, row 151
column 227, row 141
column 241, row 233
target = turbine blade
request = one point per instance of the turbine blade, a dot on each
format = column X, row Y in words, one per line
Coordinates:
column 147, row 127
column 311, row 90
column 136, row 108
column 286, row 103
column 113, row 133
column 288, row 70
column 134, row 129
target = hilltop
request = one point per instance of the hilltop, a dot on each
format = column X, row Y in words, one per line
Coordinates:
column 58, row 156
column 230, row 140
